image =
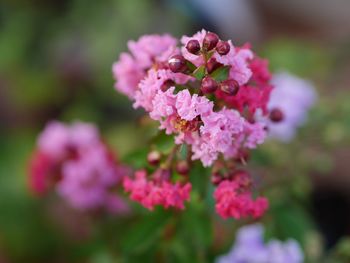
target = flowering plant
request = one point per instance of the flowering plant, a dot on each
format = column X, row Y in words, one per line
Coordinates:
column 212, row 104
column 206, row 94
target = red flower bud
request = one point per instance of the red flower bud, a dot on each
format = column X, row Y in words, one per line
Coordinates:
column 177, row 63
column 209, row 85
column 212, row 65
column 153, row 158
column 210, row 41
column 276, row 115
column 223, row 47
column 193, row 46
column 230, row 87
column 182, row 167
column 216, row 178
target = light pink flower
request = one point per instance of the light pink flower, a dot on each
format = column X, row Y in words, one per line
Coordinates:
column 186, row 105
column 218, row 134
column 148, row 48
column 196, row 60
column 127, row 73
column 57, row 139
column 163, row 104
column 238, row 60
column 74, row 160
column 86, row 181
column 256, row 134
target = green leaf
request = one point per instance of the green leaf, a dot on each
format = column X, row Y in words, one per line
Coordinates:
column 191, row 66
column 198, row 224
column 146, row 232
column 199, row 73
column 163, row 142
column 199, row 177
column 221, row 73
column 137, row 159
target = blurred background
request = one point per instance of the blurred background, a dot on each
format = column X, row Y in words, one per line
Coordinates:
column 55, row 63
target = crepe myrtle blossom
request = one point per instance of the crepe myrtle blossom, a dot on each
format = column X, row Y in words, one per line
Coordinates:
column 250, row 247
column 288, row 106
column 198, row 92
column 73, row 160
column 234, row 199
column 205, row 93
column 157, row 191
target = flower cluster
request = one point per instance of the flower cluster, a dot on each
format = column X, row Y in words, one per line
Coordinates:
column 289, row 104
column 199, row 91
column 74, row 160
column 157, row 192
column 250, row 247
column 233, row 198
column 206, row 93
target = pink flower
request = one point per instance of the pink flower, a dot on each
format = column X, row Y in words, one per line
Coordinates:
column 58, row 140
column 260, row 69
column 40, row 166
column 151, row 193
column 238, row 60
column 127, row 73
column 186, row 105
column 150, row 47
column 175, row 194
column 74, row 160
column 148, row 89
column 86, row 181
column 256, row 134
column 196, row 60
column 152, row 84
column 163, row 104
column 234, row 200
column 218, row 133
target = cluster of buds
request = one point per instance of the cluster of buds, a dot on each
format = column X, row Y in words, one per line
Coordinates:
column 206, row 49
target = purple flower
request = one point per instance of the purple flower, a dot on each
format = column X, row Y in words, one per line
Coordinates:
column 294, row 97
column 250, row 248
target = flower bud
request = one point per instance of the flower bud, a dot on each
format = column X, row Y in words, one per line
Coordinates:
column 209, row 85
column 167, row 84
column 210, row 41
column 177, row 63
column 182, row 167
column 216, row 178
column 212, row 65
column 230, row 87
column 161, row 175
column 243, row 156
column 193, row 46
column 276, row 115
column 153, row 158
column 223, row 47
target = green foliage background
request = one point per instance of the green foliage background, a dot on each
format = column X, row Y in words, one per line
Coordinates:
column 56, row 59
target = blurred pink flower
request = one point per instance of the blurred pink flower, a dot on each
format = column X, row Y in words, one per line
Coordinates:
column 234, row 199
column 74, row 160
column 150, row 193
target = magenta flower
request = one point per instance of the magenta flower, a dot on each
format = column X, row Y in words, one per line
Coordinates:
column 156, row 191
column 234, row 199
